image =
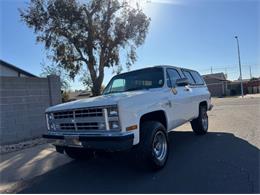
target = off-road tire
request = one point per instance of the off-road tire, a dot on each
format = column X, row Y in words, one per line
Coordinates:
column 146, row 154
column 79, row 153
column 200, row 124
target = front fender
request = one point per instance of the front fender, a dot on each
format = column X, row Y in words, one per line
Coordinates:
column 131, row 115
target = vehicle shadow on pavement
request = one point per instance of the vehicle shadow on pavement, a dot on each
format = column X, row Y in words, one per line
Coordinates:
column 213, row 163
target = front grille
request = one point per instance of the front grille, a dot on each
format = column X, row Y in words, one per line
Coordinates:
column 67, row 126
column 79, row 126
column 87, row 126
column 80, row 119
column 90, row 112
column 59, row 115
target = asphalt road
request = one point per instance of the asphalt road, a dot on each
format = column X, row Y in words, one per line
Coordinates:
column 226, row 160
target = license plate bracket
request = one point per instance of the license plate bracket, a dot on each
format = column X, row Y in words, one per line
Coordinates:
column 72, row 140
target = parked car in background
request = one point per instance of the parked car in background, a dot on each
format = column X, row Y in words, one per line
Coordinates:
column 137, row 110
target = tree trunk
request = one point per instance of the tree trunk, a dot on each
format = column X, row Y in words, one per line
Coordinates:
column 97, row 82
column 96, row 89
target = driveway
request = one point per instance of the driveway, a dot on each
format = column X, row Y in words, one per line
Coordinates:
column 226, row 160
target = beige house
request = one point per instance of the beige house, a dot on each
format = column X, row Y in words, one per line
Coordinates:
column 217, row 84
column 9, row 70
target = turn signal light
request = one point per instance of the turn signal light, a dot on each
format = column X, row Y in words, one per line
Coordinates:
column 131, row 128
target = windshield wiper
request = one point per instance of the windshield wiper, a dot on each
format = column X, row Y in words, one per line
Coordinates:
column 130, row 89
column 136, row 88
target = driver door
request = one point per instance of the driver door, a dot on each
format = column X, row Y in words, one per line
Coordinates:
column 179, row 99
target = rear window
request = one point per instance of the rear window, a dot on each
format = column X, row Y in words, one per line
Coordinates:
column 198, row 79
column 188, row 76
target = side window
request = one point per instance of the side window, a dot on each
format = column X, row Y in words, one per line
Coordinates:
column 188, row 76
column 172, row 76
column 198, row 79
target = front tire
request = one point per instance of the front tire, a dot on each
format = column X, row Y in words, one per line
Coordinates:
column 153, row 146
column 200, row 124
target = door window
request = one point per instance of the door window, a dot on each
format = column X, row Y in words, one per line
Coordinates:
column 172, row 76
column 188, row 76
column 198, row 79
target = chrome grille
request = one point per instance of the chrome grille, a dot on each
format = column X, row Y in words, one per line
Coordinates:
column 87, row 126
column 66, row 114
column 89, row 112
column 79, row 126
column 80, row 119
column 67, row 126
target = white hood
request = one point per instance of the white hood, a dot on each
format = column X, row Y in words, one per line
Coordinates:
column 103, row 100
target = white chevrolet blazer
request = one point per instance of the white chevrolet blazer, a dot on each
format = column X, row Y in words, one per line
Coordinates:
column 136, row 111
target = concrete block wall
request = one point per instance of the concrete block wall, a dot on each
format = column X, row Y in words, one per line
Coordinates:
column 22, row 105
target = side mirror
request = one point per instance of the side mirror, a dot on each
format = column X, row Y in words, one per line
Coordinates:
column 182, row 82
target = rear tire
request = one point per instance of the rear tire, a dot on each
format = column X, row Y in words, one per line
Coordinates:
column 153, row 146
column 79, row 153
column 200, row 124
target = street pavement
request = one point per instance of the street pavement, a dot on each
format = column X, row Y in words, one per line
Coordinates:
column 16, row 168
column 226, row 160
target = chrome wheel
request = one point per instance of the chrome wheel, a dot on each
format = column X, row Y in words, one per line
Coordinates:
column 160, row 146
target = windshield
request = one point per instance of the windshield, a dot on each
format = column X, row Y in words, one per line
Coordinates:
column 136, row 80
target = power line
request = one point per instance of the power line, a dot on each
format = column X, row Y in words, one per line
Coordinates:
column 212, row 68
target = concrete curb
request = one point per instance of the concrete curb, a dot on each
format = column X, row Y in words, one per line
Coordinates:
column 22, row 145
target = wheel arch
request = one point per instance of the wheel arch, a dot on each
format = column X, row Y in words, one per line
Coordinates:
column 204, row 103
column 158, row 115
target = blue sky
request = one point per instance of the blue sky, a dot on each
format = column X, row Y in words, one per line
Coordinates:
column 196, row 34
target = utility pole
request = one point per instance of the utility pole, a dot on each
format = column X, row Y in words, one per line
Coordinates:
column 250, row 71
column 239, row 61
column 211, row 70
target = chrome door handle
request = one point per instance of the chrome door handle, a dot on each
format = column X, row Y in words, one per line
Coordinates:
column 186, row 88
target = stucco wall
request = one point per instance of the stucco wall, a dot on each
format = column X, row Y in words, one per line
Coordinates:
column 22, row 105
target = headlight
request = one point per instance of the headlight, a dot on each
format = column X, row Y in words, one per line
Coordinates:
column 101, row 126
column 50, row 116
column 49, row 121
column 113, row 118
column 112, row 111
column 114, row 125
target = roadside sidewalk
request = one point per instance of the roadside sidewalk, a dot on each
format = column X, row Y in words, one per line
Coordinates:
column 17, row 167
column 256, row 95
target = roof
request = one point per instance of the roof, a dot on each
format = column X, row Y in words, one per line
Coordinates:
column 10, row 66
column 157, row 66
column 219, row 76
column 176, row 67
